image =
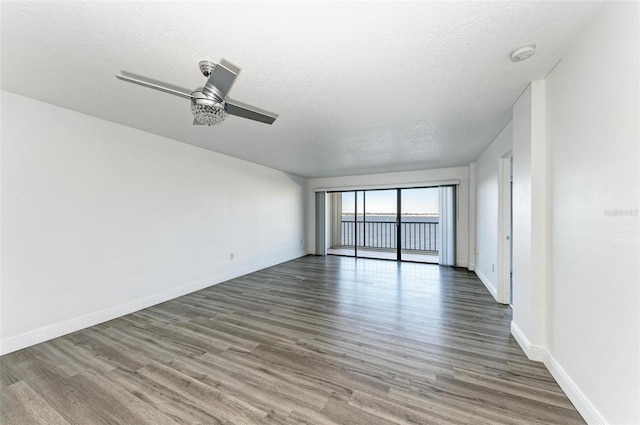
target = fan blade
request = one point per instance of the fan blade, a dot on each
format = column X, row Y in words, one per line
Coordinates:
column 196, row 122
column 221, row 79
column 154, row 84
column 243, row 110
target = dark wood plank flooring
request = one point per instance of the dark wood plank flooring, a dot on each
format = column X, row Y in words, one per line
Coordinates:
column 318, row 340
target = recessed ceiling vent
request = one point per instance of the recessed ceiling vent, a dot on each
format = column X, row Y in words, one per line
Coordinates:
column 523, row 53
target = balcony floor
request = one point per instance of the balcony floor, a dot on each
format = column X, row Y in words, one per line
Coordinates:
column 387, row 254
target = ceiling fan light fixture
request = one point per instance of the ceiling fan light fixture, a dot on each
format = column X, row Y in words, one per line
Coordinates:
column 209, row 104
column 207, row 111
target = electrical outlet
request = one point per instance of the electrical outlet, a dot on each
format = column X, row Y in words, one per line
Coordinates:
column 493, row 267
column 231, row 256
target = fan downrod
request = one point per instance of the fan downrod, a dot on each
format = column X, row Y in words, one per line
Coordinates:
column 206, row 67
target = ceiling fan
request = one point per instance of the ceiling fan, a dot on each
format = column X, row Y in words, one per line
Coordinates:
column 209, row 104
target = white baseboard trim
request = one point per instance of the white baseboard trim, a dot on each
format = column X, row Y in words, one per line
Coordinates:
column 472, row 267
column 591, row 415
column 533, row 352
column 487, row 283
column 46, row 333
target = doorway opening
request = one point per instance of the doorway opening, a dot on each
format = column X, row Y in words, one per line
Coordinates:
column 392, row 224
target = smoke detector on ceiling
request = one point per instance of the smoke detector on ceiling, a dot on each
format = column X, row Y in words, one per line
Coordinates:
column 523, row 53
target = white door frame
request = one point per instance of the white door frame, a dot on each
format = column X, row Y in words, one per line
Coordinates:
column 504, row 229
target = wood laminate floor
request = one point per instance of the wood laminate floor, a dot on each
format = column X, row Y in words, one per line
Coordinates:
column 318, row 340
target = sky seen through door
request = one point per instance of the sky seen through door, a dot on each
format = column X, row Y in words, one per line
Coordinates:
column 414, row 201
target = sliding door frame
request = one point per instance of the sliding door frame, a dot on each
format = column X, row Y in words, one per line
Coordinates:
column 355, row 223
column 398, row 225
column 398, row 189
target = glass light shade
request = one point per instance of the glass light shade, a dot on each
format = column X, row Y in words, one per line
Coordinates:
column 208, row 112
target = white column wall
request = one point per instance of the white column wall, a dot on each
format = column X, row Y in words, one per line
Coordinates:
column 521, row 239
column 530, row 212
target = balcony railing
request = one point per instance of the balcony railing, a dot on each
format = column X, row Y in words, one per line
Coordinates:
column 418, row 236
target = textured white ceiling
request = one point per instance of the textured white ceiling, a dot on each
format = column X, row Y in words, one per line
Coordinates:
column 360, row 87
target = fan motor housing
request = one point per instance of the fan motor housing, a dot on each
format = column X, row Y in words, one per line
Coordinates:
column 199, row 98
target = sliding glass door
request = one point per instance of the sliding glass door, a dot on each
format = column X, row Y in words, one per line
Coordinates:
column 419, row 221
column 391, row 224
column 377, row 227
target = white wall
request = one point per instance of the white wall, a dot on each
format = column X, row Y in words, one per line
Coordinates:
column 386, row 179
column 99, row 220
column 487, row 181
column 593, row 151
column 576, row 271
column 529, row 220
column 522, row 215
